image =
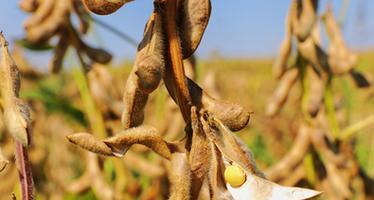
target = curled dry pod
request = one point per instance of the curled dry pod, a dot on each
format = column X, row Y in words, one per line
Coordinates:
column 280, row 64
column 146, row 74
column 193, row 18
column 234, row 116
column 56, row 62
column 281, row 92
column 179, row 177
column 28, row 5
column 315, row 92
column 16, row 112
column 104, row 7
column 340, row 59
column 228, row 144
column 305, row 16
column 42, row 13
column 48, row 27
column 145, row 135
column 89, row 142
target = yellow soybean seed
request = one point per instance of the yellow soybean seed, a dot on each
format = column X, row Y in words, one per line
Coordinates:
column 235, row 176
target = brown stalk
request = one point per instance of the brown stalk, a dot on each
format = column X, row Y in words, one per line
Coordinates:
column 175, row 76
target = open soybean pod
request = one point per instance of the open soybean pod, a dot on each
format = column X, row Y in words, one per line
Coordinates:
column 16, row 112
column 340, row 59
column 193, row 18
column 104, row 7
column 304, row 18
column 280, row 64
column 146, row 74
column 282, row 91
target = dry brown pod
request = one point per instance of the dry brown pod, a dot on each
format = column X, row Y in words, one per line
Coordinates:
column 305, row 17
column 193, row 19
column 315, row 92
column 16, row 112
column 49, row 26
column 179, row 177
column 89, row 142
column 281, row 93
column 234, row 116
column 104, row 7
column 280, row 63
column 146, row 74
column 341, row 60
column 28, row 5
column 361, row 80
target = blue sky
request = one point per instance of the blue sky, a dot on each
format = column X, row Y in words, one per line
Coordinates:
column 237, row 28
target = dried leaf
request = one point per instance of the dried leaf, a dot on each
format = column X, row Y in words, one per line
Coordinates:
column 192, row 21
column 281, row 93
column 104, row 7
column 145, row 135
column 89, row 142
column 179, row 177
column 360, row 79
column 16, row 112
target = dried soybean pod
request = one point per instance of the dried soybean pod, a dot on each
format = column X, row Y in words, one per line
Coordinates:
column 89, row 142
column 280, row 64
column 96, row 54
column 56, row 62
column 315, row 92
column 144, row 135
column 179, row 177
column 314, row 54
column 340, row 59
column 28, row 5
column 46, row 29
column 281, row 92
column 16, row 112
column 82, row 16
column 146, row 74
column 193, row 18
column 104, row 7
column 304, row 18
column 42, row 12
column 233, row 115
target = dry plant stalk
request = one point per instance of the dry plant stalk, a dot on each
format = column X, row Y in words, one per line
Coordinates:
column 315, row 68
column 51, row 18
column 16, row 117
column 172, row 34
